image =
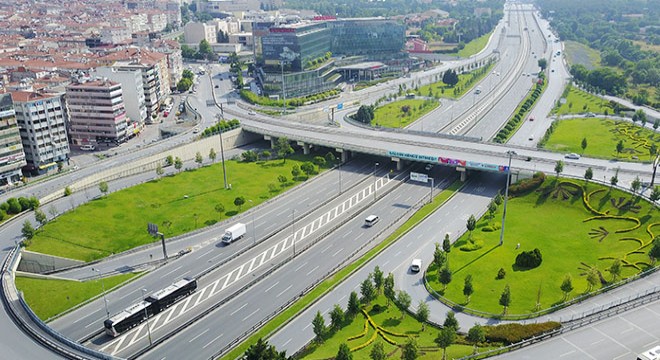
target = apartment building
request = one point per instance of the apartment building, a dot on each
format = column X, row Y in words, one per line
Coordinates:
column 132, row 89
column 194, row 32
column 42, row 125
column 96, row 113
column 12, row 158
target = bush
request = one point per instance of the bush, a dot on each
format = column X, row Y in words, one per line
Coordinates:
column 529, row 259
column 527, row 185
column 513, row 333
column 501, row 274
column 14, row 206
column 472, row 245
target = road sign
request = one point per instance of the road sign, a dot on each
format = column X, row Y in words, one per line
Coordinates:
column 419, row 177
column 152, row 229
column 340, row 106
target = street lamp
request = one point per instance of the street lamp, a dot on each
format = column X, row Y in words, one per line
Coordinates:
column 656, row 162
column 375, row 180
column 339, row 171
column 432, row 185
column 105, row 300
column 146, row 316
column 293, row 229
column 511, row 153
column 254, row 230
column 283, row 93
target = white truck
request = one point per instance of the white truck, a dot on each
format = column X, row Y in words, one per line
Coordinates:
column 234, row 233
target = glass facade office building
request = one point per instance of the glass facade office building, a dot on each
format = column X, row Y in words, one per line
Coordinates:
column 295, row 45
column 373, row 37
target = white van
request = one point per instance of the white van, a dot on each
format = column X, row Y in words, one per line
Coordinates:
column 416, row 265
column 87, row 147
column 371, row 220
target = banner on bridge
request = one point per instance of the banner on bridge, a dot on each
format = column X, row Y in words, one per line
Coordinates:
column 448, row 161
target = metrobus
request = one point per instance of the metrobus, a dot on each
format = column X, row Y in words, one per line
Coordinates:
column 650, row 354
column 151, row 305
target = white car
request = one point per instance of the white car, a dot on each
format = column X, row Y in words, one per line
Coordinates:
column 573, row 156
column 416, row 265
column 195, row 130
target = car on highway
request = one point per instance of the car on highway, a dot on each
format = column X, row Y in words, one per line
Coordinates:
column 416, row 265
column 531, row 118
column 196, row 130
column 428, row 167
column 371, row 220
column 531, row 138
column 251, row 112
column 88, row 147
column 573, row 156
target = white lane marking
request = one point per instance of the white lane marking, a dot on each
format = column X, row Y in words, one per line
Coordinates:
column 200, row 296
column 215, row 284
column 272, row 286
column 239, row 309
column 327, row 247
column 252, row 313
column 283, row 291
column 171, row 271
column 567, row 353
column 185, row 305
column 90, row 324
column 337, row 252
column 204, row 254
column 213, row 258
column 210, row 342
column 136, row 336
column 311, row 271
column 200, row 334
column 301, row 266
column 288, row 341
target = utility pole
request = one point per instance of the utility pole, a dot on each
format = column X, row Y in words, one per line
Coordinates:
column 511, row 153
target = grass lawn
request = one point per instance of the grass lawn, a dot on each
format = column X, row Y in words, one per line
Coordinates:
column 579, row 102
column 48, row 298
column 398, row 331
column 331, row 282
column 571, row 238
column 439, row 89
column 177, row 204
column 474, row 46
column 578, row 53
column 402, row 113
column 602, row 137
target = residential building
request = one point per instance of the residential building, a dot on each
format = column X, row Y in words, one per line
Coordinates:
column 115, row 35
column 132, row 89
column 41, row 120
column 195, row 32
column 12, row 158
column 96, row 113
column 224, row 7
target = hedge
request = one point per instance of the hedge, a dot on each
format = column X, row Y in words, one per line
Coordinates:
column 514, row 333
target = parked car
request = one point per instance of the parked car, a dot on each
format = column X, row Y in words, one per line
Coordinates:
column 573, row 156
column 88, row 147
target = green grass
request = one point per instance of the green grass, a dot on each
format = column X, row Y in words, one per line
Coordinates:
column 502, row 136
column 47, row 297
column 328, row 284
column 578, row 53
column 389, row 318
column 393, row 115
column 568, row 243
column 474, row 46
column 602, row 136
column 578, row 102
column 439, row 89
column 177, row 204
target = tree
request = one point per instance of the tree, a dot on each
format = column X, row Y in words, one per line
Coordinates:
column 330, row 158
column 262, row 350
column 159, row 170
column 344, row 353
column 378, row 278
column 588, row 174
column 41, row 217
column 584, row 144
column 423, row 313
column 566, row 286
column 559, row 167
column 471, row 225
column 283, row 148
column 169, row 160
column 378, row 352
column 353, row 306
column 403, row 301
column 60, row 166
column 409, row 351
column 501, row 273
column 365, row 114
column 619, row 148
column 543, row 63
column 498, row 199
column 654, row 253
column 239, row 201
column 655, row 194
column 336, row 317
column 219, row 208
column 265, row 154
column 212, row 155
column 615, row 269
column 476, row 335
column 592, row 278
column 295, row 171
column 205, row 49
column 492, row 208
column 198, row 158
column 439, row 256
column 308, row 168
column 178, row 163
column 450, row 321
column 445, row 338
column 614, row 179
column 505, row 298
column 103, row 187
column 187, row 74
column 388, row 288
column 446, row 244
column 635, row 185
column 27, row 230
column 468, row 289
column 319, row 326
column 653, row 150
column 444, row 276
column 450, row 78
column 67, row 191
column 33, row 203
column 367, row 290
column 319, row 161
column 184, row 85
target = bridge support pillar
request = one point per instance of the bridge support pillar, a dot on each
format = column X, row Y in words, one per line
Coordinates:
column 463, row 172
column 399, row 163
column 345, row 155
column 272, row 141
column 305, row 147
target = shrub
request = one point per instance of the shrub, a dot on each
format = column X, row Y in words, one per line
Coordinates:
column 527, row 185
column 513, row 333
column 501, row 274
column 14, row 206
column 472, row 245
column 529, row 259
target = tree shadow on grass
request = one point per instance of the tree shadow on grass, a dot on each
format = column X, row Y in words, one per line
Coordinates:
column 231, row 213
column 391, row 322
column 273, row 164
column 475, row 259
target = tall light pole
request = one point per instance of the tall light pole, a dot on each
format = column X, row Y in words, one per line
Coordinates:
column 254, row 230
column 283, row 93
column 432, row 185
column 146, row 316
column 511, row 153
column 656, row 162
column 339, row 171
column 105, row 301
column 293, row 229
column 375, row 180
